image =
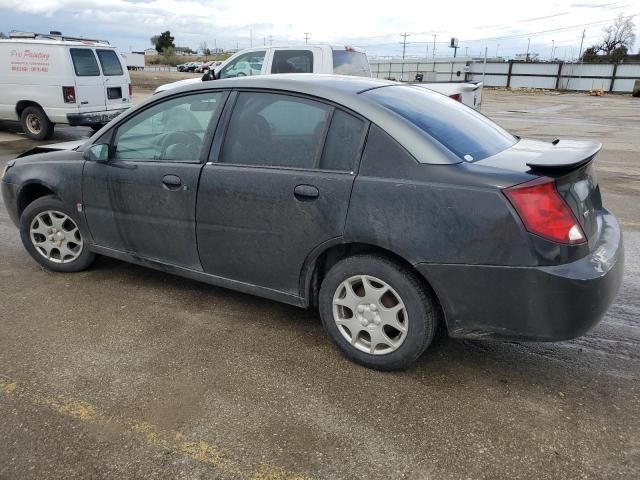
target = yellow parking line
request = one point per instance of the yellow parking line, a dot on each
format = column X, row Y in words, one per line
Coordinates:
column 174, row 441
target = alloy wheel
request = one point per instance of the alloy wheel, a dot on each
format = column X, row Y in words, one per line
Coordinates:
column 56, row 236
column 370, row 314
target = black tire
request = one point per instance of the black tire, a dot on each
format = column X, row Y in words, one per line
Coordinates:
column 35, row 123
column 421, row 308
column 85, row 257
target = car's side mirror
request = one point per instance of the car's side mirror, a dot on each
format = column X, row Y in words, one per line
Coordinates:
column 97, row 153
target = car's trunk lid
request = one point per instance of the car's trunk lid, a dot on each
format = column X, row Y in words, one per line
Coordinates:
column 569, row 163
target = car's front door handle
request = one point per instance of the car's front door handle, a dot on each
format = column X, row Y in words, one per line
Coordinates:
column 306, row 192
column 171, row 181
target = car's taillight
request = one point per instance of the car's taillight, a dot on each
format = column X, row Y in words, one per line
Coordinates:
column 544, row 212
column 130, row 90
column 456, row 96
column 69, row 94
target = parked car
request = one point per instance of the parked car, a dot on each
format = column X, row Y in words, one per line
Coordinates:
column 328, row 59
column 47, row 79
column 390, row 208
column 182, row 67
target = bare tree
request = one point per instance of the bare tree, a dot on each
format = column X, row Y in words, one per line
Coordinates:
column 620, row 34
column 2, row 35
column 204, row 48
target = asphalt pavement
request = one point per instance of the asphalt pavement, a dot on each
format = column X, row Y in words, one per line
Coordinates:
column 125, row 372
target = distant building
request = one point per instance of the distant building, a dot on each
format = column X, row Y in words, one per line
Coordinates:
column 150, row 51
column 522, row 57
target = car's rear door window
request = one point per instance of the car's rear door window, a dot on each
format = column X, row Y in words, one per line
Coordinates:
column 344, row 142
column 84, row 62
column 110, row 63
column 275, row 130
column 292, row 61
column 465, row 132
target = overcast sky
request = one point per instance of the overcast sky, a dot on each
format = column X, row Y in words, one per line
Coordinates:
column 496, row 24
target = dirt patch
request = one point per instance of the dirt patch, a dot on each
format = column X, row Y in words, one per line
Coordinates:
column 152, row 80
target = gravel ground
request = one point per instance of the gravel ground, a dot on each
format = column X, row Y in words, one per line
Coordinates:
column 123, row 372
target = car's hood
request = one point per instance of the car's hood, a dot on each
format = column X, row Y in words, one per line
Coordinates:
column 179, row 83
column 54, row 147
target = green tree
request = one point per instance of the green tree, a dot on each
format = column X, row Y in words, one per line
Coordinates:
column 163, row 41
column 169, row 56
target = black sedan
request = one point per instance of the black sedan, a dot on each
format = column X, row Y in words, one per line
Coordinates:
column 390, row 208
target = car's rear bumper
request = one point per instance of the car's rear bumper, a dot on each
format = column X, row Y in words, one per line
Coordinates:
column 531, row 303
column 93, row 119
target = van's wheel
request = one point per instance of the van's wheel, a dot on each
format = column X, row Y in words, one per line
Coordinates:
column 35, row 123
column 377, row 312
column 52, row 235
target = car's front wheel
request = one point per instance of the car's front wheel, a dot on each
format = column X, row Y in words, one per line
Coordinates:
column 377, row 311
column 51, row 234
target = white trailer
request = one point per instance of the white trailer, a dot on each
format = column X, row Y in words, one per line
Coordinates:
column 134, row 60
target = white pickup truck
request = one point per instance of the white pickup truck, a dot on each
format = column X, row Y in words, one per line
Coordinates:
column 320, row 58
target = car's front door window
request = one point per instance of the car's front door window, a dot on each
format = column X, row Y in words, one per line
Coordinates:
column 245, row 65
column 173, row 130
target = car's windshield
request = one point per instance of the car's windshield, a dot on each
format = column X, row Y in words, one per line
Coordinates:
column 350, row 62
column 465, row 132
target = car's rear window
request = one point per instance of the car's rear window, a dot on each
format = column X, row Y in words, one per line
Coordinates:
column 465, row 132
column 110, row 63
column 84, row 62
column 350, row 62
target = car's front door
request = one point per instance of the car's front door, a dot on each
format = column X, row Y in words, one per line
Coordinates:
column 143, row 200
column 272, row 193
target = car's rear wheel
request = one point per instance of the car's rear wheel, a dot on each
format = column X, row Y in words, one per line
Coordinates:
column 35, row 123
column 377, row 311
column 53, row 237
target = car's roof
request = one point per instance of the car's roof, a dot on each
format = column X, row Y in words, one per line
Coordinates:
column 342, row 90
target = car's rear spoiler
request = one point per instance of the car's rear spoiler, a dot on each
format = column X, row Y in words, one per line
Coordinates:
column 566, row 155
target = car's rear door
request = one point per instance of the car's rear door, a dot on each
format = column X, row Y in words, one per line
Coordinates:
column 271, row 193
column 143, row 200
column 90, row 92
column 115, row 79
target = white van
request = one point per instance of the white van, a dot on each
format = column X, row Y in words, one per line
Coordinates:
column 339, row 60
column 49, row 78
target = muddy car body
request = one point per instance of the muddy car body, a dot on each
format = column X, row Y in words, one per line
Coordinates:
column 389, row 208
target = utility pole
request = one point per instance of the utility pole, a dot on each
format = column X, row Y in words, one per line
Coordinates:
column 434, row 48
column 553, row 49
column 404, row 43
column 215, row 46
column 466, row 51
column 264, row 41
column 306, row 37
column 497, row 48
column 250, row 38
column 584, row 31
column 526, row 59
column 484, row 67
column 270, row 39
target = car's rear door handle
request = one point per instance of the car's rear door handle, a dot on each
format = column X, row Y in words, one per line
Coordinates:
column 171, row 181
column 306, row 192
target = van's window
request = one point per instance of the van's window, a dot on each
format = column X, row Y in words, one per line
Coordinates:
column 285, row 131
column 465, row 132
column 350, row 62
column 84, row 62
column 172, row 130
column 109, row 62
column 342, row 147
column 245, row 65
column 292, row 61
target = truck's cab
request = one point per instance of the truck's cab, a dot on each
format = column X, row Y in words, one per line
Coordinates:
column 48, row 78
column 317, row 58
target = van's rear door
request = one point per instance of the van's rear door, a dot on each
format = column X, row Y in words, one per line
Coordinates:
column 90, row 94
column 115, row 78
